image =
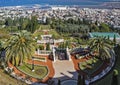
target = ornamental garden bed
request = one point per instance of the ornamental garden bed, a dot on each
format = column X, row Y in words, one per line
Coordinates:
column 91, row 65
column 40, row 72
column 40, row 59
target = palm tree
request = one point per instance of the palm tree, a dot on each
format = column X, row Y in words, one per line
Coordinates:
column 19, row 48
column 102, row 47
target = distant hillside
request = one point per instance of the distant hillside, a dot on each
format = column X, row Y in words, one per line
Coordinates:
column 111, row 5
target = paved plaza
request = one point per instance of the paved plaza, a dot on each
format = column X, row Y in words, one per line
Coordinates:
column 64, row 70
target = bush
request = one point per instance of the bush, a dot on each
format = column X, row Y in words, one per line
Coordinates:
column 41, row 47
column 116, row 72
column 47, row 46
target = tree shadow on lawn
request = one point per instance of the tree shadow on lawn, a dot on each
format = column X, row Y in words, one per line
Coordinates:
column 28, row 66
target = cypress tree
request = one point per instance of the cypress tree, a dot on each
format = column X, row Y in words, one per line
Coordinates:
column 81, row 80
column 114, row 39
column 108, row 37
column 59, row 82
column 115, row 78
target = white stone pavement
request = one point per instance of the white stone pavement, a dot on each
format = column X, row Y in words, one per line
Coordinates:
column 64, row 69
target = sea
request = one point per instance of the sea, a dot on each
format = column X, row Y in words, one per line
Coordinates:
column 53, row 2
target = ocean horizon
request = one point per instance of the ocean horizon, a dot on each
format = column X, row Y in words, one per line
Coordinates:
column 51, row 2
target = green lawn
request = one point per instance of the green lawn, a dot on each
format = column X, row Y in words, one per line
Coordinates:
column 5, row 79
column 45, row 26
column 51, row 31
column 39, row 59
column 39, row 73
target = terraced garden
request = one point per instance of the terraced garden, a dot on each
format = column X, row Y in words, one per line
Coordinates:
column 90, row 66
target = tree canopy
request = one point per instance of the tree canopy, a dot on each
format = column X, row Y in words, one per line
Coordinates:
column 20, row 47
column 102, row 46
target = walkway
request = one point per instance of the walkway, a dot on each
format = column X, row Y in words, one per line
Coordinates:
column 64, row 69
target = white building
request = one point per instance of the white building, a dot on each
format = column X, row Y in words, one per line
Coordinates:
column 59, row 8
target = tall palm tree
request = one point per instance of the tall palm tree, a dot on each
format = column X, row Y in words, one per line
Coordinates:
column 102, row 47
column 20, row 47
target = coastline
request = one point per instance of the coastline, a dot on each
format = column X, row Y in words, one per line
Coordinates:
column 100, row 5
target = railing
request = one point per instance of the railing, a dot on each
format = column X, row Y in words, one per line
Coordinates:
column 45, row 41
column 59, row 41
column 50, row 41
column 43, row 52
